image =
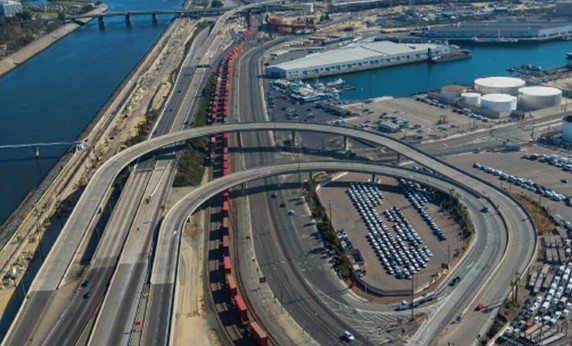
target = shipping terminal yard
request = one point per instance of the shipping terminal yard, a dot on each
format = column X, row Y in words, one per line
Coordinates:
column 231, row 194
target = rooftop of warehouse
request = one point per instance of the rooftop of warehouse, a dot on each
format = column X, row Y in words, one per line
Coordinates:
column 504, row 25
column 354, row 52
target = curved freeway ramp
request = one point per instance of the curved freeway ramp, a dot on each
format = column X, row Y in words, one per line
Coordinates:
column 522, row 244
column 488, row 246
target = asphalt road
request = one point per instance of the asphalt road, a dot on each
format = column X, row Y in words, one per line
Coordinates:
column 522, row 249
column 329, row 328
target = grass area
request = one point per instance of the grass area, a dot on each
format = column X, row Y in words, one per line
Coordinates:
column 194, row 159
column 326, row 229
column 143, row 128
column 459, row 212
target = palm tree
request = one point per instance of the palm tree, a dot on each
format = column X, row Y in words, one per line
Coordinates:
column 514, row 285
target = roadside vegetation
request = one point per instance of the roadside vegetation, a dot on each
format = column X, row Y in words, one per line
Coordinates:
column 36, row 21
column 326, row 229
column 540, row 216
column 194, row 159
column 459, row 212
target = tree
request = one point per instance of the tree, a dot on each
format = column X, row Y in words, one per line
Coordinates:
column 217, row 3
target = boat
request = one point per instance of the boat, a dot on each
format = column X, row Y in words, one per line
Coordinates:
column 453, row 55
column 336, row 82
column 569, row 55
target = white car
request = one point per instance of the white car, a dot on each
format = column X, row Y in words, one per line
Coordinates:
column 348, row 336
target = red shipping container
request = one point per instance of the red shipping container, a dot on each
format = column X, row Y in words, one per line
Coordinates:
column 225, row 195
column 231, row 285
column 225, row 228
column 225, row 151
column 241, row 307
column 227, row 266
column 225, row 165
column 226, row 245
column 225, row 172
column 258, row 334
column 225, row 208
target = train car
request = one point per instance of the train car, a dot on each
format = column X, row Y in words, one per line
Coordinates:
column 241, row 308
column 231, row 285
column 225, row 228
column 258, row 334
column 227, row 265
column 225, row 208
column 226, row 245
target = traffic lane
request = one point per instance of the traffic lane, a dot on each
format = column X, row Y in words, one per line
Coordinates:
column 120, row 324
column 200, row 195
column 37, row 303
column 474, row 270
column 155, row 331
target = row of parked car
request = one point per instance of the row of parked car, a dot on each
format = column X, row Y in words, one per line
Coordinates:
column 547, row 309
column 464, row 111
column 526, row 184
column 419, row 198
column 368, row 193
column 563, row 162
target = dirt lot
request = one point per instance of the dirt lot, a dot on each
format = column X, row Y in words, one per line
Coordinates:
column 421, row 115
column 346, row 216
column 539, row 172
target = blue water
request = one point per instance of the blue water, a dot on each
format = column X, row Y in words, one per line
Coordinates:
column 53, row 96
column 487, row 61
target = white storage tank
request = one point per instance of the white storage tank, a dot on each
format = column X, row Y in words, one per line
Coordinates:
column 567, row 129
column 472, row 98
column 538, row 97
column 498, row 102
column 453, row 91
column 499, row 85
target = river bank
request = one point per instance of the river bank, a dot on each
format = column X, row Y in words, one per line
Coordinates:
column 19, row 57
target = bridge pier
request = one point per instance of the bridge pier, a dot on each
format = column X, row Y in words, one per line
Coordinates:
column 154, row 18
column 293, row 138
column 373, row 178
column 346, row 143
column 101, row 22
column 128, row 20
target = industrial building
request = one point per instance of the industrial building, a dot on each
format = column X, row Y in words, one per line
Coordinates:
column 355, row 57
column 503, row 31
column 10, row 8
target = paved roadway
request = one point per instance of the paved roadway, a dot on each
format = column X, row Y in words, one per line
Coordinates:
column 522, row 249
column 69, row 328
column 177, row 216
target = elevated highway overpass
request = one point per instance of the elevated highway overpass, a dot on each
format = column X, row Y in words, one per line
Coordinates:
column 53, row 272
column 488, row 243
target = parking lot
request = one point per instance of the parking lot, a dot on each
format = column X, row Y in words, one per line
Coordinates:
column 552, row 177
column 387, row 227
column 418, row 118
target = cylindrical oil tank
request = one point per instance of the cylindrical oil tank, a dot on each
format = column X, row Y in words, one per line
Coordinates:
column 567, row 129
column 538, row 97
column 499, row 85
column 472, row 98
column 453, row 91
column 498, row 102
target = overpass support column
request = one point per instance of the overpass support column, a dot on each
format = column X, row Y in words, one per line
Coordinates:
column 101, row 22
column 154, row 18
column 346, row 143
column 373, row 178
column 128, row 20
column 293, row 138
column 239, row 141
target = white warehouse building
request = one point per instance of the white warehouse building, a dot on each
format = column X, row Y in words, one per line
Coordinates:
column 10, row 8
column 355, row 57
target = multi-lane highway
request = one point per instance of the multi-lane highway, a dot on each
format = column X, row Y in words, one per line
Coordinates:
column 522, row 249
